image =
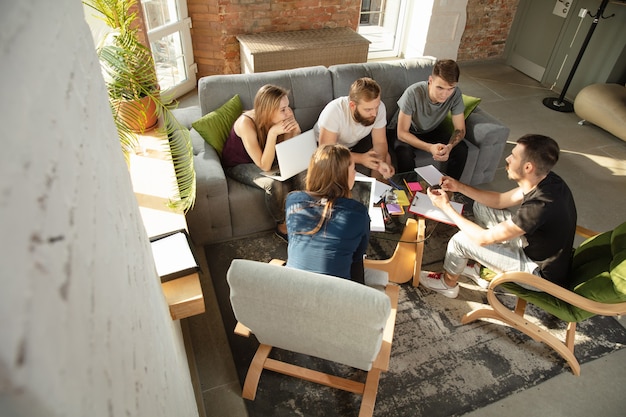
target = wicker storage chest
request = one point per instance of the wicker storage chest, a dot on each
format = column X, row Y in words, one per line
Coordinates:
column 271, row 51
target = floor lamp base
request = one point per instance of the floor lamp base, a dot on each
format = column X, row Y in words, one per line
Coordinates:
column 563, row 106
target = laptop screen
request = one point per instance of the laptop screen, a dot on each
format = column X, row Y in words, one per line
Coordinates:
column 363, row 190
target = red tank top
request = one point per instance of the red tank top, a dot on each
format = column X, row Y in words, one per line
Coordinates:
column 234, row 153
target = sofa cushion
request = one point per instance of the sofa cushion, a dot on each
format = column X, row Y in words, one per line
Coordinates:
column 470, row 104
column 600, row 267
column 187, row 115
column 215, row 126
column 310, row 89
column 393, row 77
column 618, row 264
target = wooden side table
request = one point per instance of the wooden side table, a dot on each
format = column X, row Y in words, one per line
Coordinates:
column 184, row 296
column 153, row 178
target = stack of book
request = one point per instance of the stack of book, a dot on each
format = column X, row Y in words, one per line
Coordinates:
column 173, row 255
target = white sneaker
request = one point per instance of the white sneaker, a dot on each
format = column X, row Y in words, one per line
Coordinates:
column 434, row 281
column 473, row 272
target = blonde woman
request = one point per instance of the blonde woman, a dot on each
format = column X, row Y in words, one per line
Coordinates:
column 250, row 149
column 328, row 230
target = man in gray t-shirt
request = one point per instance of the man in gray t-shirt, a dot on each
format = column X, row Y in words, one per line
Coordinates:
column 421, row 109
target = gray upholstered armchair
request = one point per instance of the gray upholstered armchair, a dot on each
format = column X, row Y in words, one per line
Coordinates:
column 317, row 315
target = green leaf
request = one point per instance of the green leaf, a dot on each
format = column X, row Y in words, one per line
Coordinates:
column 130, row 75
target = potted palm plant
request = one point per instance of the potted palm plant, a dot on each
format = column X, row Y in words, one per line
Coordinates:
column 136, row 103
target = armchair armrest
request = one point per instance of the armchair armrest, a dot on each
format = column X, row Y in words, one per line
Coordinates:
column 481, row 129
column 556, row 291
column 186, row 116
column 209, row 219
column 242, row 330
column 584, row 232
column 489, row 136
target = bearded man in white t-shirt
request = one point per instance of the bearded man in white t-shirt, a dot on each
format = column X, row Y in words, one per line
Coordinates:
column 359, row 122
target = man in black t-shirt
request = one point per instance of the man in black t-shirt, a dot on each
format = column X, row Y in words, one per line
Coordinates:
column 536, row 238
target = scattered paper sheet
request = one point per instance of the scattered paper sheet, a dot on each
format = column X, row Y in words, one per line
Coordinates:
column 430, row 174
column 377, row 221
column 422, row 206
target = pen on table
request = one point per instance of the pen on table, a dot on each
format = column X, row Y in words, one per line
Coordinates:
column 396, row 186
column 408, row 189
column 386, row 215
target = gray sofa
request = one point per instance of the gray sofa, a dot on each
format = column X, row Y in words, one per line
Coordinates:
column 226, row 209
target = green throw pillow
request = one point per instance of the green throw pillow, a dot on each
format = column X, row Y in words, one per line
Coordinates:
column 470, row 104
column 215, row 126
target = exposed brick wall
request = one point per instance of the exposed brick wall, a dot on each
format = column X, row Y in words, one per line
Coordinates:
column 216, row 23
column 140, row 24
column 487, row 28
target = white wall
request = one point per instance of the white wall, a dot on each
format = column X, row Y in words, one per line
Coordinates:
column 434, row 28
column 84, row 327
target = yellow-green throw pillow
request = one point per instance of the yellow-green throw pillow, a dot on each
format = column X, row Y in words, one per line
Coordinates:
column 215, row 126
column 470, row 104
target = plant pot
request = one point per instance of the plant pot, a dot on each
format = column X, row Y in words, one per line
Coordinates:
column 139, row 116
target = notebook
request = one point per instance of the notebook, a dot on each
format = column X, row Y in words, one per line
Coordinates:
column 293, row 156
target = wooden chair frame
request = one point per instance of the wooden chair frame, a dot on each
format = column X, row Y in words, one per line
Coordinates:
column 515, row 318
column 406, row 261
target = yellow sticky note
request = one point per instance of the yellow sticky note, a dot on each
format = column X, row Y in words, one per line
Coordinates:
column 403, row 200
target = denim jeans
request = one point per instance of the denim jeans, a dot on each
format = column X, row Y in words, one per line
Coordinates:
column 275, row 191
column 499, row 257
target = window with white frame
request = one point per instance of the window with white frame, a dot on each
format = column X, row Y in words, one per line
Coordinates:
column 381, row 23
column 169, row 35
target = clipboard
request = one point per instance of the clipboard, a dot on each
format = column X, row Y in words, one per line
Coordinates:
column 422, row 206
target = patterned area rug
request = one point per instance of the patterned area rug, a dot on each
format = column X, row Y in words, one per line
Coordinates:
column 434, row 358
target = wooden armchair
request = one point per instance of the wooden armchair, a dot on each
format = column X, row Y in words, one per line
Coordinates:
column 313, row 314
column 406, row 261
column 598, row 288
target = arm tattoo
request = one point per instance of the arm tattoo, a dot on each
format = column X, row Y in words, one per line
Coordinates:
column 455, row 138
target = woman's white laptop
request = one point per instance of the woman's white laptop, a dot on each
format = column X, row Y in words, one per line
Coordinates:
column 293, row 156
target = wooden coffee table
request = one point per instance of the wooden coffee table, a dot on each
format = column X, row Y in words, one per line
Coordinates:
column 406, row 262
